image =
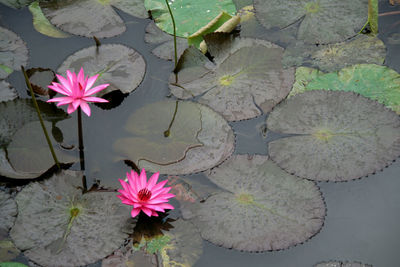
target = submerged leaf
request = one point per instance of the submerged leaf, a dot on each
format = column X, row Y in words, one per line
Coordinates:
column 13, row 52
column 338, row 135
column 120, row 66
column 58, row 226
column 7, row 92
column 8, row 211
column 263, row 207
column 322, row 21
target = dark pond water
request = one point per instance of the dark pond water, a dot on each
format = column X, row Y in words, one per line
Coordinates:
column 362, row 222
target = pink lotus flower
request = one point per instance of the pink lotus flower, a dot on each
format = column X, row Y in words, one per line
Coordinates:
column 148, row 197
column 78, row 91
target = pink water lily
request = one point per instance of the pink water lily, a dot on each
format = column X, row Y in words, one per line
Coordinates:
column 78, row 91
column 148, row 197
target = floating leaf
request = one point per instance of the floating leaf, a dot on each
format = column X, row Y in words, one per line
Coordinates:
column 58, row 226
column 7, row 92
column 12, row 264
column 190, row 15
column 29, row 153
column 321, row 21
column 8, row 211
column 339, row 135
column 14, row 114
column 128, row 257
column 16, row 4
column 361, row 49
column 341, row 264
column 13, row 52
column 91, row 17
column 263, row 207
column 304, row 75
column 376, row 82
column 246, row 80
column 42, row 24
column 218, row 144
column 40, row 78
column 8, row 251
column 7, row 170
column 148, row 125
column 120, row 66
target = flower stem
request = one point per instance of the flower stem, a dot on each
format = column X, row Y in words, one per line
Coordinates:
column 28, row 83
column 167, row 132
column 174, row 26
column 81, row 149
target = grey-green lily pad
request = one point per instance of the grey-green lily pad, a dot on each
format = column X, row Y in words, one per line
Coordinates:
column 304, row 75
column 58, row 226
column 189, row 15
column 341, row 264
column 16, row 3
column 8, row 211
column 148, row 126
column 246, row 80
column 263, row 208
column 339, row 136
column 218, row 144
column 118, row 65
column 322, row 21
column 91, row 17
column 16, row 113
column 7, row 170
column 13, row 52
column 128, row 257
column 7, row 92
column 165, row 42
column 361, row 49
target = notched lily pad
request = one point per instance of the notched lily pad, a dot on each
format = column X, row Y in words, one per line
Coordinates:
column 7, row 92
column 341, row 264
column 218, row 144
column 8, row 211
column 91, row 17
column 262, row 208
column 13, row 52
column 120, row 66
column 58, row 226
column 339, row 136
column 149, row 124
column 246, row 79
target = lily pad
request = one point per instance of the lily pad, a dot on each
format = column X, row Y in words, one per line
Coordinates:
column 58, row 226
column 91, row 17
column 40, row 78
column 322, row 21
column 29, row 153
column 12, row 264
column 263, row 207
column 14, row 114
column 8, row 251
column 13, row 52
column 7, row 92
column 341, row 264
column 8, row 211
column 128, row 257
column 165, row 42
column 16, row 3
column 361, row 49
column 218, row 144
column 304, row 75
column 339, row 136
column 148, row 125
column 246, row 80
column 189, row 15
column 376, row 82
column 120, row 66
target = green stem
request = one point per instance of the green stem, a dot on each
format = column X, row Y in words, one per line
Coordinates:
column 167, row 132
column 174, row 26
column 28, row 83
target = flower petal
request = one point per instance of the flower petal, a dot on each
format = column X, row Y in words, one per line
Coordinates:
column 90, row 82
column 85, row 107
column 70, row 109
column 135, row 212
column 96, row 89
column 147, row 211
column 94, row 99
column 143, row 179
column 65, row 83
column 153, row 180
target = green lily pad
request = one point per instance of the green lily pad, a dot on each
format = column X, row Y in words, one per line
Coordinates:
column 7, row 92
column 8, row 211
column 58, row 226
column 148, row 125
column 15, row 114
column 165, row 42
column 42, row 24
column 12, row 264
column 339, row 135
column 218, row 144
column 13, row 52
column 189, row 15
column 91, row 17
column 341, row 264
column 16, row 3
column 118, row 65
column 376, row 82
column 304, row 75
column 321, row 21
column 29, row 153
column 246, row 80
column 263, row 207
column 361, row 49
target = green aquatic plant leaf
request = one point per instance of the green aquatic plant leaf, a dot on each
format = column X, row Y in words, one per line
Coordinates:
column 13, row 52
column 118, row 65
column 7, row 92
column 262, row 208
column 341, row 264
column 218, row 143
column 338, row 135
column 16, row 3
column 373, row 11
column 246, row 80
column 98, row 222
column 321, row 21
column 304, row 75
column 8, row 211
column 91, row 17
column 12, row 264
column 190, row 15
